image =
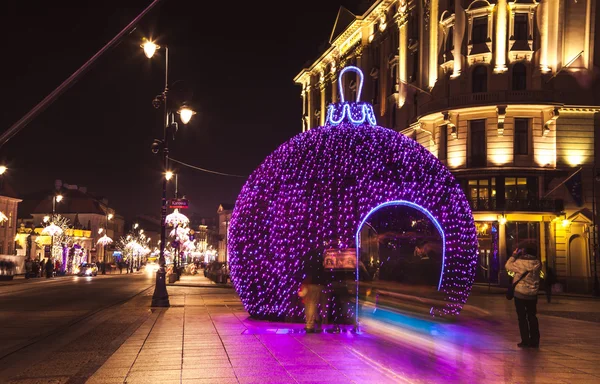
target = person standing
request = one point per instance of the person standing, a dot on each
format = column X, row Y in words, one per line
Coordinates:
column 526, row 267
column 28, row 268
column 49, row 269
column 312, row 288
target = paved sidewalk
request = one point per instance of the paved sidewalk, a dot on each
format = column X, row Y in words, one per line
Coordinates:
column 207, row 337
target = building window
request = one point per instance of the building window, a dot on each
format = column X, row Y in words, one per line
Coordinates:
column 479, row 79
column 481, row 193
column 393, row 79
column 375, row 91
column 521, row 25
column 443, row 143
column 413, row 25
column 2, row 247
column 480, row 30
column 415, row 66
column 521, row 144
column 519, row 77
column 10, row 220
column 515, row 188
column 477, row 147
column 451, row 6
column 450, row 39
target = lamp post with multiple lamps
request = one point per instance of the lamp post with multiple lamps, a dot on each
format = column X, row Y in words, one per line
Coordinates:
column 104, row 241
column 160, row 298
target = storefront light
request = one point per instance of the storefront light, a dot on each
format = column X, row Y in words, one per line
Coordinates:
column 502, row 219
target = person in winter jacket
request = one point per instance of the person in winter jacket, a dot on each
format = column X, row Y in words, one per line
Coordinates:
column 524, row 260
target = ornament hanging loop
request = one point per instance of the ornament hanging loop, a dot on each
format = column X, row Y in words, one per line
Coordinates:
column 351, row 68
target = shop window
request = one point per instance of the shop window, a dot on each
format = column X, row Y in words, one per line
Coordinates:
column 443, row 143
column 477, row 146
column 479, row 79
column 519, row 77
column 480, row 30
column 519, row 231
column 521, row 26
column 521, row 142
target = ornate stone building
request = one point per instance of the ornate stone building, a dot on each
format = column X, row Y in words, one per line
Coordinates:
column 505, row 93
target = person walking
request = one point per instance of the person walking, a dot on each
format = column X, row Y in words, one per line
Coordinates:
column 526, row 267
column 312, row 288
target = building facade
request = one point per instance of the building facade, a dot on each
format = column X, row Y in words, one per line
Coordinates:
column 88, row 217
column 9, row 249
column 224, row 214
column 504, row 93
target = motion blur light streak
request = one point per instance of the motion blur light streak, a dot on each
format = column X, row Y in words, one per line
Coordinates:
column 318, row 187
column 408, row 204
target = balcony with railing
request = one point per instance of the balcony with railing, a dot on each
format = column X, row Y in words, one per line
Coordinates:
column 485, row 98
column 525, row 205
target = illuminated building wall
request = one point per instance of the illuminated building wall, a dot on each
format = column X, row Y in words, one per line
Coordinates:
column 511, row 86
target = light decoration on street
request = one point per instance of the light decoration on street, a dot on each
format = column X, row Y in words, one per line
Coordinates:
column 179, row 233
column 319, row 186
column 52, row 230
column 105, row 240
column 177, row 219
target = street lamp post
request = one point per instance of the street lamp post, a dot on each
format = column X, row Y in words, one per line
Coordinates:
column 55, row 199
column 105, row 241
column 160, row 298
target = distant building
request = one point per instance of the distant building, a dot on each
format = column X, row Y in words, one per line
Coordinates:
column 224, row 213
column 505, row 94
column 88, row 216
column 9, row 250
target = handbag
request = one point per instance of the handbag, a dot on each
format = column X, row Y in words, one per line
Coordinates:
column 510, row 293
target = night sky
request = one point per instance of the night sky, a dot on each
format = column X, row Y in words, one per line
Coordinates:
column 238, row 58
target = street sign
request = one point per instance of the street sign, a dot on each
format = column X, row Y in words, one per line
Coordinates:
column 178, row 203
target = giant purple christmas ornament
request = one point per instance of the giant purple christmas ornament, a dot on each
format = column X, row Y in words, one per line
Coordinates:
column 321, row 186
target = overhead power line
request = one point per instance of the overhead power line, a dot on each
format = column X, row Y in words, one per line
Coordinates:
column 205, row 170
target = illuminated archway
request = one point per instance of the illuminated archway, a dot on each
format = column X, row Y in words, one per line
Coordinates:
column 319, row 186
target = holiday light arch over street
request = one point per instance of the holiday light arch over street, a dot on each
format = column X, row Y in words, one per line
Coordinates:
column 320, row 186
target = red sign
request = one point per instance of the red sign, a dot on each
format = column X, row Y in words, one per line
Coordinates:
column 178, row 204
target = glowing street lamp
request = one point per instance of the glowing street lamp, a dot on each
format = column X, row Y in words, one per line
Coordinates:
column 3, row 168
column 168, row 175
column 185, row 114
column 149, row 48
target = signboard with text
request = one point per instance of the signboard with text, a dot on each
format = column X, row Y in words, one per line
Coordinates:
column 340, row 258
column 178, row 203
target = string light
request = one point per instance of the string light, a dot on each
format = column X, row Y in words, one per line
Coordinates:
column 319, row 187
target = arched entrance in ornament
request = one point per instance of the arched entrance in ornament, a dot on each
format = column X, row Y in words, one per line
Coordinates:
column 319, row 187
column 400, row 255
